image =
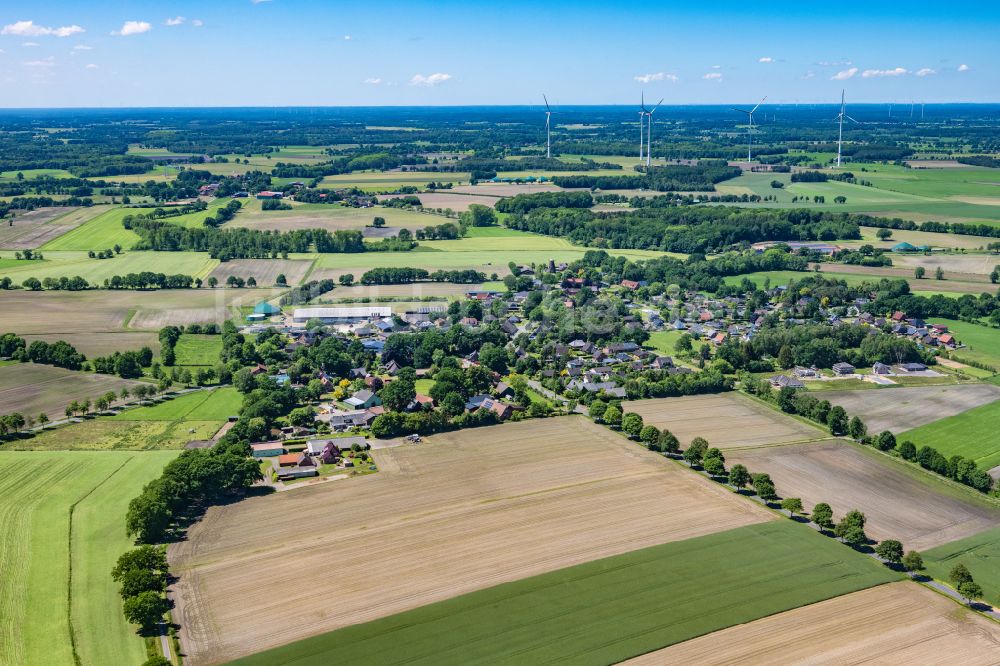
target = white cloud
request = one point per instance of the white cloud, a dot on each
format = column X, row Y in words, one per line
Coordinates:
column 877, row 73
column 373, row 81
column 133, row 28
column 716, row 66
column 31, row 45
column 845, row 74
column 766, row 59
column 43, row 63
column 834, row 63
column 91, row 66
column 658, row 76
column 963, row 68
column 197, row 23
column 712, row 76
column 258, row 2
column 926, row 71
column 82, row 47
column 809, row 75
column 432, row 80
column 177, row 20
column 347, row 38
column 29, row 29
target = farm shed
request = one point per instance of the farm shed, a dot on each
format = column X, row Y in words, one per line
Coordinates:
column 266, row 309
column 296, row 473
column 267, row 449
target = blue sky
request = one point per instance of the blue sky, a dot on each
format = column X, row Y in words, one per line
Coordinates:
column 312, row 52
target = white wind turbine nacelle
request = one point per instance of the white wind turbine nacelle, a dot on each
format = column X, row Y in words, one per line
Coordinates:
column 750, row 127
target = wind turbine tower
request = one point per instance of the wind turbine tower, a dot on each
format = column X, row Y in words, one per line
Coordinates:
column 750, row 127
column 548, row 129
column 649, row 134
column 642, row 117
column 840, row 119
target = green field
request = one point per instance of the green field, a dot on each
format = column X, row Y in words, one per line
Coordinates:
column 61, row 519
column 971, row 434
column 663, row 341
column 215, row 405
column 376, row 181
column 69, row 264
column 9, row 176
column 982, row 342
column 980, row 553
column 109, row 434
column 198, row 349
column 608, row 610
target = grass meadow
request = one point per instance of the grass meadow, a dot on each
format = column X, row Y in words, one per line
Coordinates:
column 58, row 264
column 214, row 405
column 982, row 342
column 971, row 434
column 610, row 609
column 979, row 553
column 61, row 530
column 194, row 349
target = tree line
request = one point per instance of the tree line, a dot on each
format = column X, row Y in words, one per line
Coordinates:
column 403, row 275
column 60, row 353
column 671, row 178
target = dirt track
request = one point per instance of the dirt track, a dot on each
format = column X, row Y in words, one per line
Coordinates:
column 897, row 499
column 460, row 512
column 899, row 623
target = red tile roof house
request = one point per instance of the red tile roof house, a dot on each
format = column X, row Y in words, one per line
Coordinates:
column 630, row 284
column 947, row 339
column 289, row 460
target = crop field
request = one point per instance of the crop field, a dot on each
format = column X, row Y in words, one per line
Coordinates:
column 417, row 289
column 196, row 306
column 456, row 202
column 897, row 623
column 373, row 181
column 971, row 434
column 982, row 343
column 962, row 283
column 524, row 498
column 505, row 189
column 110, row 434
column 264, row 271
column 194, row 349
column 908, row 407
column 32, row 389
column 929, row 238
column 34, row 228
column 61, row 519
column 900, row 500
column 980, row 553
column 607, row 610
column 939, row 183
column 955, row 265
column 95, row 271
column 214, row 405
column 735, row 420
column 330, row 217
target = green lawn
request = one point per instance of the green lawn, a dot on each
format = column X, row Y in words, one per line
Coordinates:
column 971, row 434
column 982, row 342
column 664, row 341
column 39, row 492
column 198, row 349
column 608, row 610
column 980, row 553
column 216, row 405
column 112, row 434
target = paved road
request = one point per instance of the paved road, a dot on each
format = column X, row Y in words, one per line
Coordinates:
column 165, row 642
column 535, row 385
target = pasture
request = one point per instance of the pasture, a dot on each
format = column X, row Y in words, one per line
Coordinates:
column 32, row 229
column 463, row 511
column 902, row 409
column 212, row 405
column 896, row 623
column 416, row 289
column 264, row 271
column 194, row 349
column 971, row 434
column 390, row 181
column 900, row 500
column 982, row 343
column 110, row 434
column 607, row 610
column 330, row 217
column 33, row 389
column 980, row 553
column 457, row 202
column 61, row 531
column 737, row 421
column 95, row 271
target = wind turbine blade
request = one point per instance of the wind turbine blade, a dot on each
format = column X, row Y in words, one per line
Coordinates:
column 546, row 102
column 853, row 120
column 739, row 110
column 758, row 104
column 657, row 105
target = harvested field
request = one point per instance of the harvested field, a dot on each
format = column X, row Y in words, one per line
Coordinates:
column 900, row 500
column 417, row 290
column 899, row 623
column 31, row 389
column 100, row 344
column 900, row 409
column 456, row 202
column 505, row 189
column 971, row 283
column 726, row 420
column 265, row 271
column 461, row 512
column 955, row 266
column 330, row 217
column 109, row 434
column 34, row 228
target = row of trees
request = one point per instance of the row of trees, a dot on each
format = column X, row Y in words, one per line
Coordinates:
column 403, row 275
column 127, row 365
column 671, row 178
column 60, row 353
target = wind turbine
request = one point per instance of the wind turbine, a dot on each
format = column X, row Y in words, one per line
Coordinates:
column 750, row 128
column 649, row 133
column 642, row 113
column 548, row 133
column 840, row 118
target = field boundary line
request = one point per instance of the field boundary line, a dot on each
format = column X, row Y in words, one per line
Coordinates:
column 69, row 567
